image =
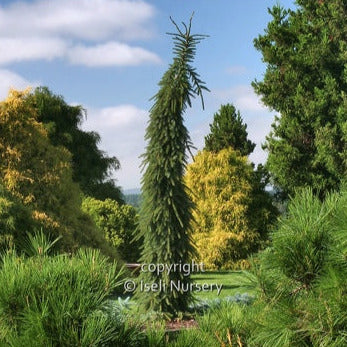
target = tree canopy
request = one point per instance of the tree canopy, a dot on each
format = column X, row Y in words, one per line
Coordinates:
column 38, row 175
column 15, row 220
column 305, row 81
column 92, row 168
column 117, row 223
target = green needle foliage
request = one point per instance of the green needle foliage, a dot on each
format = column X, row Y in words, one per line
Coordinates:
column 306, row 82
column 60, row 300
column 166, row 209
column 228, row 130
column 302, row 281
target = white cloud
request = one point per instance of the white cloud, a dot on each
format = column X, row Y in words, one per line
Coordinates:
column 78, row 31
column 122, row 130
column 197, row 134
column 82, row 19
column 111, row 53
column 108, row 54
column 258, row 127
column 242, row 96
column 9, row 79
column 21, row 49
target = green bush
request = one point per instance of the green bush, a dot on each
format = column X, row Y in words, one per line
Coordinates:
column 61, row 301
column 225, row 325
column 118, row 224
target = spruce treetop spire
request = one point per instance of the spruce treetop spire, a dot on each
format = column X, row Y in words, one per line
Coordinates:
column 184, row 51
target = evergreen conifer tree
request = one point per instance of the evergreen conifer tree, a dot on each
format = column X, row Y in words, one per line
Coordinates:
column 305, row 81
column 166, row 208
column 228, row 130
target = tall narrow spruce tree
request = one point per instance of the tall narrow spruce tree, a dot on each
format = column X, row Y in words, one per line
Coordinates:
column 166, row 208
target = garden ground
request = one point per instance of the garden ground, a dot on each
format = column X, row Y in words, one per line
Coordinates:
column 233, row 282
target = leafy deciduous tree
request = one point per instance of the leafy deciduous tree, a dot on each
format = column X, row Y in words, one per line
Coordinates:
column 39, row 175
column 118, row 223
column 15, row 220
column 92, row 168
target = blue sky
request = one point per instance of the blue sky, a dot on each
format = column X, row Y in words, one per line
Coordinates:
column 109, row 55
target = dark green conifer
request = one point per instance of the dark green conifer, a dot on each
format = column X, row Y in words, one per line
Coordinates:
column 306, row 82
column 228, row 130
column 166, row 208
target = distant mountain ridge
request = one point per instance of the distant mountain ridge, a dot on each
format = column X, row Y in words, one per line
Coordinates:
column 131, row 191
column 132, row 197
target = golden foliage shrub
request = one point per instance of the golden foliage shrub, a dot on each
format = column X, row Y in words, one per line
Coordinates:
column 220, row 185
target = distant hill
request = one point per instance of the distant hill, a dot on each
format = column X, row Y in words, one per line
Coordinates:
column 132, row 191
column 132, row 197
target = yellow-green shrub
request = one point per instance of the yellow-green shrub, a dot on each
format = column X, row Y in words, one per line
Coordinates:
column 221, row 186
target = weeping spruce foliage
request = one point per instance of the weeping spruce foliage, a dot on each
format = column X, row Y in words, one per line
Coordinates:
column 166, row 208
